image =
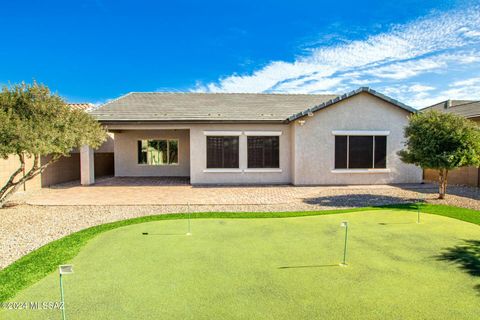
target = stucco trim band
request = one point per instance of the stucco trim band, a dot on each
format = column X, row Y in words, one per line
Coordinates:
column 222, row 170
column 360, row 132
column 263, row 170
column 263, row 133
column 360, row 170
column 222, row 133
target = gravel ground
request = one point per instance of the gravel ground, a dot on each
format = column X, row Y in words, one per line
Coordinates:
column 25, row 228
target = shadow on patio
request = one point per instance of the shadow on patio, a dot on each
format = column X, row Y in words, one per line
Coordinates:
column 356, row 200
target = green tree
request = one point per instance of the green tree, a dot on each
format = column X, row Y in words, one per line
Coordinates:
column 441, row 141
column 35, row 122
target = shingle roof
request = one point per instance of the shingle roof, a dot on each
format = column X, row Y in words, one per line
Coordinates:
column 207, row 107
column 466, row 108
column 81, row 106
column 213, row 107
column 349, row 95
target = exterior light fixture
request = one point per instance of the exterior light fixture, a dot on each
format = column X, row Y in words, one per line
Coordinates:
column 64, row 269
column 344, row 224
column 301, row 122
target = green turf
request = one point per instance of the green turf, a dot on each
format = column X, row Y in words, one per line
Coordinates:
column 37, row 264
column 271, row 269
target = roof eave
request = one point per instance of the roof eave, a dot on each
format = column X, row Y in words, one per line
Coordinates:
column 226, row 121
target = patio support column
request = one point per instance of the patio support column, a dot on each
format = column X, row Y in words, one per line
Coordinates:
column 87, row 170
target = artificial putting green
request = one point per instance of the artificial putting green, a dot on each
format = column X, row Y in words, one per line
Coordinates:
column 284, row 268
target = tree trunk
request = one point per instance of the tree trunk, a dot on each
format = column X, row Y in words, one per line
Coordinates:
column 442, row 183
column 12, row 186
column 11, row 181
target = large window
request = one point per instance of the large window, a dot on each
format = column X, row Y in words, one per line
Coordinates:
column 222, row 152
column 360, row 152
column 157, row 152
column 263, row 152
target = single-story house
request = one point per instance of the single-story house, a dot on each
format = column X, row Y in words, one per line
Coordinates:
column 469, row 109
column 230, row 138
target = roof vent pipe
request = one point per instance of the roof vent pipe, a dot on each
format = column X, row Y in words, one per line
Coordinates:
column 448, row 104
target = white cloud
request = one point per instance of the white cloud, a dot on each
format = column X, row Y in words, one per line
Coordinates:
column 432, row 45
column 467, row 82
column 469, row 33
column 407, row 69
column 421, row 88
column 465, row 92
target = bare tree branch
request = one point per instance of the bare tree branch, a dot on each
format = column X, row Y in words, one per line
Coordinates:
column 10, row 181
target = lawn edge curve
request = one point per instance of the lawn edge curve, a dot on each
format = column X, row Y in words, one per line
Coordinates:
column 44, row 260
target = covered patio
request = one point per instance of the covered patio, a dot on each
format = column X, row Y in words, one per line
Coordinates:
column 138, row 151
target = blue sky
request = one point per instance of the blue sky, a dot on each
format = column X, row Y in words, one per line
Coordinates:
column 419, row 52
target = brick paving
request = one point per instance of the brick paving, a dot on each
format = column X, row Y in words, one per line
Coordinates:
column 115, row 191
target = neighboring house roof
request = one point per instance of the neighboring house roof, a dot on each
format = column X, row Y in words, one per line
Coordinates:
column 218, row 107
column 81, row 106
column 466, row 108
column 158, row 106
column 349, row 95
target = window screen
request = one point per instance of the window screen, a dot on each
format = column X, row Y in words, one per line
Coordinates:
column 263, row 152
column 222, row 152
column 341, row 152
column 380, row 152
column 360, row 152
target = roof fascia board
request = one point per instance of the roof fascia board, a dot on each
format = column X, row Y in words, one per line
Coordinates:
column 134, row 122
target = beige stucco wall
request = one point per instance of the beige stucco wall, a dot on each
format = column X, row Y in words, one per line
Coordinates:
column 8, row 167
column 315, row 143
column 108, row 145
column 306, row 152
column 125, row 148
column 198, row 161
column 63, row 170
column 192, row 153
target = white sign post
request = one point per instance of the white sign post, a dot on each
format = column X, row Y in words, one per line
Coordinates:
column 64, row 269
